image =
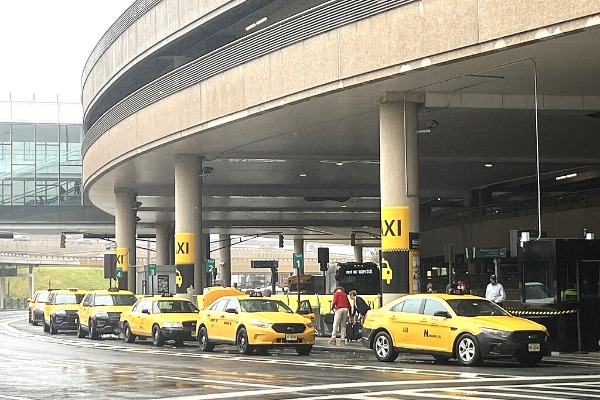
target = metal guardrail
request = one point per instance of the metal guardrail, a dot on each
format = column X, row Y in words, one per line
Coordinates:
column 570, row 201
column 323, row 18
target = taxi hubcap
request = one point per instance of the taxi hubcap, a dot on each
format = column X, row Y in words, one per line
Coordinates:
column 466, row 349
column 382, row 346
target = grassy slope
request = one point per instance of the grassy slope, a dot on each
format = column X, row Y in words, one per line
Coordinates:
column 57, row 278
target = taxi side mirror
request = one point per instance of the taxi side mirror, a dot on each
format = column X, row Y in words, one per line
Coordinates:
column 444, row 314
column 85, row 304
column 29, row 299
column 146, row 311
column 231, row 311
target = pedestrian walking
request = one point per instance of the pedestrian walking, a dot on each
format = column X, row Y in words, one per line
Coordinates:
column 494, row 291
column 341, row 308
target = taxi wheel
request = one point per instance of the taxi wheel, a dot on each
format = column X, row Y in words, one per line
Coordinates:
column 127, row 335
column 46, row 327
column 304, row 349
column 242, row 342
column 80, row 332
column 157, row 338
column 529, row 361
column 53, row 330
column 384, row 348
column 93, row 330
column 467, row 350
column 203, row 343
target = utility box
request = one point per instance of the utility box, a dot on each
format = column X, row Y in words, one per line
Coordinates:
column 156, row 279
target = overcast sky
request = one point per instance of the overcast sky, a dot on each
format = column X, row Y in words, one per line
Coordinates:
column 44, row 44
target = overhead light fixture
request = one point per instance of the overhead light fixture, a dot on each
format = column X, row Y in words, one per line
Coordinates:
column 560, row 178
column 488, row 165
column 303, row 175
column 255, row 24
column 339, row 164
column 431, row 125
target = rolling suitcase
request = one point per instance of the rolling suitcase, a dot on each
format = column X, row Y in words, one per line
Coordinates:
column 353, row 331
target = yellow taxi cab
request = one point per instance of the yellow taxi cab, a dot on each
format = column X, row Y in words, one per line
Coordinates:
column 162, row 318
column 100, row 311
column 35, row 306
column 467, row 328
column 253, row 323
column 60, row 310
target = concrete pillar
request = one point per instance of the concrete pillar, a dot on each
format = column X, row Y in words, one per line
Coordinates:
column 162, row 244
column 299, row 248
column 358, row 249
column 188, row 214
column 125, row 228
column 225, row 259
column 31, row 281
column 204, row 254
column 399, row 195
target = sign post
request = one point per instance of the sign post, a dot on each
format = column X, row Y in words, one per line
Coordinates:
column 298, row 266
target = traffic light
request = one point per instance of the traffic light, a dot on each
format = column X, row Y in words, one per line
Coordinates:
column 63, row 239
column 281, row 241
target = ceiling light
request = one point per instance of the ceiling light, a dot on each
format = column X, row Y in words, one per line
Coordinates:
column 439, row 198
column 339, row 164
column 255, row 24
column 303, row 175
column 560, row 178
column 488, row 165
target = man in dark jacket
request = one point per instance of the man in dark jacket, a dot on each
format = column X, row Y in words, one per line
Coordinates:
column 360, row 308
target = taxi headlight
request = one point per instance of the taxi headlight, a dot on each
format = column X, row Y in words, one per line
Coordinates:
column 496, row 333
column 102, row 314
column 172, row 325
column 260, row 324
column 60, row 313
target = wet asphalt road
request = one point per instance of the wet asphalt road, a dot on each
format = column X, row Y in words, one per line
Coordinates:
column 37, row 365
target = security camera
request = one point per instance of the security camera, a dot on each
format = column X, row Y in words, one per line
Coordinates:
column 207, row 170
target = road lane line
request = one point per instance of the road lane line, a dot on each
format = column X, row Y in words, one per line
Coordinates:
column 216, row 382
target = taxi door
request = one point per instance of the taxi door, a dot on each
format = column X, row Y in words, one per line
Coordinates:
column 230, row 319
column 214, row 319
column 83, row 312
column 403, row 323
column 436, row 330
column 142, row 320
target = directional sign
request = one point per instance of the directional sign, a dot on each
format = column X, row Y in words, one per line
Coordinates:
column 210, row 265
column 489, row 252
column 264, row 264
column 8, row 272
column 151, row 269
column 119, row 274
column 298, row 260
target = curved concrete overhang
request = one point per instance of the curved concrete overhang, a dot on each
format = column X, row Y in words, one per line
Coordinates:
column 316, row 102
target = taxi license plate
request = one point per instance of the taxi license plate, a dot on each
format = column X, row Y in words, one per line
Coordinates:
column 533, row 347
column 291, row 337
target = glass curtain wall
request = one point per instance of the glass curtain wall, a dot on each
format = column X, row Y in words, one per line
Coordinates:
column 40, row 164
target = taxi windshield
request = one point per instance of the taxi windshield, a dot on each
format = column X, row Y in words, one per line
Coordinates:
column 475, row 308
column 68, row 298
column 115, row 300
column 170, row 306
column 264, row 305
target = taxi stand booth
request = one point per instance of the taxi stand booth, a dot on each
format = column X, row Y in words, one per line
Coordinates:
column 569, row 272
column 156, row 279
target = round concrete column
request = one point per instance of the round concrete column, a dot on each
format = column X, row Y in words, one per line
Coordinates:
column 299, row 248
column 162, row 244
column 225, row 259
column 358, row 256
column 125, row 221
column 399, row 196
column 188, row 214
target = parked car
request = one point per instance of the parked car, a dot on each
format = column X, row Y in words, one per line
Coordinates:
column 467, row 328
column 162, row 318
column 60, row 311
column 100, row 311
column 253, row 323
column 35, row 306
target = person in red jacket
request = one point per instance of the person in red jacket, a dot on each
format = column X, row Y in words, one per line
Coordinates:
column 341, row 307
